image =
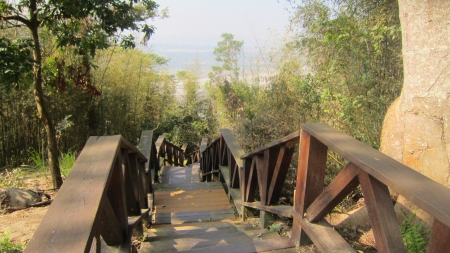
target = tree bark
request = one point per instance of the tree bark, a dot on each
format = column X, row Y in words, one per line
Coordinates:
column 416, row 131
column 43, row 113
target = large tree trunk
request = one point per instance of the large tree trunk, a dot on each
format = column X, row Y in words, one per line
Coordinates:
column 416, row 129
column 42, row 109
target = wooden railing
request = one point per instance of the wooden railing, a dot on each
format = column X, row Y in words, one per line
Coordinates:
column 195, row 156
column 171, row 154
column 103, row 201
column 223, row 151
column 266, row 168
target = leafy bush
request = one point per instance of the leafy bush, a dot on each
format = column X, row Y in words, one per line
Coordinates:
column 6, row 246
column 414, row 235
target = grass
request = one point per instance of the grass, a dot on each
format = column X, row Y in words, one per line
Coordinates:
column 6, row 246
column 66, row 162
column 38, row 160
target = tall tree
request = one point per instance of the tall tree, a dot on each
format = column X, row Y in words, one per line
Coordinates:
column 416, row 130
column 84, row 25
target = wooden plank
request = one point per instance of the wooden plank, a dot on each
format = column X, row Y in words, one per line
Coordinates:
column 134, row 220
column 279, row 175
column 125, row 144
column 116, row 194
column 325, row 237
column 251, row 183
column 381, row 213
column 419, row 189
column 344, row 183
column 289, row 140
column 248, row 246
column 203, row 144
column 232, row 143
column 145, row 145
column 440, row 238
column 282, row 210
column 130, row 185
column 310, row 179
column 81, row 193
column 109, row 226
column 260, row 173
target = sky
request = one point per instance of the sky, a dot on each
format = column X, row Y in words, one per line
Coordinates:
column 201, row 22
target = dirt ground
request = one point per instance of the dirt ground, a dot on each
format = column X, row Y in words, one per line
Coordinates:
column 22, row 224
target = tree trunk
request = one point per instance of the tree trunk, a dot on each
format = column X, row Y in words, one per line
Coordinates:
column 43, row 113
column 416, row 129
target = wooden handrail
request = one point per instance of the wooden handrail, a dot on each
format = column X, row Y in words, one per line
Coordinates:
column 419, row 189
column 223, row 151
column 103, row 198
column 194, row 157
column 265, row 168
column 171, row 153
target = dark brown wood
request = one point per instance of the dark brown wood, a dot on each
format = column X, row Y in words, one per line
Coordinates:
column 310, row 179
column 344, row 183
column 381, row 213
column 109, row 226
column 145, row 145
column 259, row 169
column 116, row 193
column 289, row 140
column 325, row 237
column 130, row 186
column 233, row 145
column 142, row 177
column 440, row 238
column 282, row 210
column 279, row 175
column 419, row 189
column 252, row 182
column 244, row 176
column 73, row 213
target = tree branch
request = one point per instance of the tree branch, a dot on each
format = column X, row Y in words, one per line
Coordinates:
column 16, row 18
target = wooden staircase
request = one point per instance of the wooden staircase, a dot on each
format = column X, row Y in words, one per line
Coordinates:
column 194, row 216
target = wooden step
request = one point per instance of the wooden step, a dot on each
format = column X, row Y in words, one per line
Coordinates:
column 194, row 216
column 207, row 236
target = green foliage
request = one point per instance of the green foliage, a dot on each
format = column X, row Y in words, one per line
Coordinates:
column 414, row 235
column 6, row 246
column 37, row 159
column 13, row 179
column 66, row 161
column 15, row 61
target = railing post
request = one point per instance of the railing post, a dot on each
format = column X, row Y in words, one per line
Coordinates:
column 310, row 179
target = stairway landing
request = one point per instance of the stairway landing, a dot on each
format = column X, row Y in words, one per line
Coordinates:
column 182, row 198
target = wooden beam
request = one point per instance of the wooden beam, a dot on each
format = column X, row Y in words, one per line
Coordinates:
column 130, row 185
column 252, row 182
column 344, row 183
column 381, row 213
column 109, row 226
column 440, row 238
column 310, row 179
column 73, row 213
column 279, row 174
column 417, row 188
column 233, row 145
column 324, row 236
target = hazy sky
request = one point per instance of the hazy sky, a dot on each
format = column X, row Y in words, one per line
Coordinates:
column 201, row 22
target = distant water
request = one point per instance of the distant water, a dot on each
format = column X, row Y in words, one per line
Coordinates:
column 185, row 56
